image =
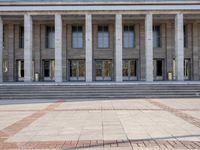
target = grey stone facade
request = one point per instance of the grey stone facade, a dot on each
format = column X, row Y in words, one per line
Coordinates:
column 175, row 28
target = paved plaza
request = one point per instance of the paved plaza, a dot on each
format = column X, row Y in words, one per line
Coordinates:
column 110, row 124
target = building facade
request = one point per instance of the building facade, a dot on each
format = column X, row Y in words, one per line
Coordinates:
column 99, row 41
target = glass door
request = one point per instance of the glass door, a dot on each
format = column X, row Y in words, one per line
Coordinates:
column 129, row 70
column 77, row 70
column 103, row 70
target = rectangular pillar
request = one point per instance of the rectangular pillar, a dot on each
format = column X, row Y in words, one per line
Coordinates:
column 179, row 47
column 148, row 47
column 118, row 48
column 11, row 53
column 27, row 48
column 1, row 50
column 169, row 57
column 58, row 48
column 195, row 52
column 88, row 47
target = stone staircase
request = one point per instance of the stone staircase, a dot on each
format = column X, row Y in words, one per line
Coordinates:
column 89, row 91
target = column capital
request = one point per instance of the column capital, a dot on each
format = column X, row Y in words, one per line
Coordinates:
column 149, row 13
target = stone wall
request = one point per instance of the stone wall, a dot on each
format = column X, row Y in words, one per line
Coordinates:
column 12, row 52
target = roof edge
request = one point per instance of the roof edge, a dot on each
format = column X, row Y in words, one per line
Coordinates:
column 96, row 3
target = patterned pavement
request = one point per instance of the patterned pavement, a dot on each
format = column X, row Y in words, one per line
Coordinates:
column 118, row 124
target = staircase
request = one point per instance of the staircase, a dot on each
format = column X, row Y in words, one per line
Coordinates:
column 89, row 91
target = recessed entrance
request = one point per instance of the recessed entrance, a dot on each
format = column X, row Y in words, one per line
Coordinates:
column 20, row 70
column 103, row 70
column 187, row 69
column 48, row 70
column 158, row 69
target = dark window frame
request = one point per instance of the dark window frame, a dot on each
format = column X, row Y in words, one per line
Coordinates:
column 21, row 37
column 47, row 38
column 77, row 29
column 157, row 28
column 130, row 28
column 103, row 29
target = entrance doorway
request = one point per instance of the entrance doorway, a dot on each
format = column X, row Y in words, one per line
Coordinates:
column 187, row 69
column 158, row 69
column 48, row 70
column 77, row 70
column 129, row 70
column 20, row 70
column 103, row 70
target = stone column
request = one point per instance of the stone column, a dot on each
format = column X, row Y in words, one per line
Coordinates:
column 1, row 50
column 149, row 47
column 37, row 48
column 195, row 52
column 27, row 48
column 169, row 56
column 179, row 47
column 11, row 52
column 118, row 48
column 88, row 47
column 58, row 48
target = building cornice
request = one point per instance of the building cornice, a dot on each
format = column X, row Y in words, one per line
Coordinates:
column 99, row 6
column 97, row 3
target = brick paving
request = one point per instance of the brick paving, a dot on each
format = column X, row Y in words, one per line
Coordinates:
column 126, row 124
column 165, row 144
column 178, row 113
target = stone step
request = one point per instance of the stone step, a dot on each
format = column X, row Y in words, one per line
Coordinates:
column 99, row 91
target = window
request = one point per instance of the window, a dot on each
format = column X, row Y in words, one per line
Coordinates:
column 4, row 35
column 103, row 37
column 21, row 37
column 185, row 36
column 50, row 37
column 156, row 36
column 129, row 37
column 159, row 68
column 77, row 36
